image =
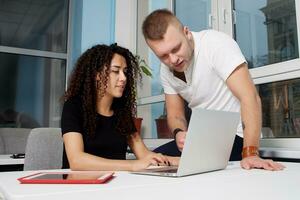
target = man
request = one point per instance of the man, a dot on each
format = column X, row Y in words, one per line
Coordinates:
column 208, row 70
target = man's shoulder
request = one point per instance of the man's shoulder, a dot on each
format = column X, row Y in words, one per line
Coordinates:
column 210, row 34
column 211, row 40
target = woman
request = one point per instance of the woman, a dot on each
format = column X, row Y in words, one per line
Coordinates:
column 97, row 122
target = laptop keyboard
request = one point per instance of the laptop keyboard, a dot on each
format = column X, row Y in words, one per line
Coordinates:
column 168, row 170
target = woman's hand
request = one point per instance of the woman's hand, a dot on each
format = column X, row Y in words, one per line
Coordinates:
column 173, row 161
column 151, row 158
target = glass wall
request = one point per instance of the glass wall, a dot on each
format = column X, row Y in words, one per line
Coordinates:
column 151, row 86
column 266, row 31
column 40, row 25
column 195, row 14
column 158, row 124
column 32, row 90
column 154, row 86
column 33, row 59
column 281, row 108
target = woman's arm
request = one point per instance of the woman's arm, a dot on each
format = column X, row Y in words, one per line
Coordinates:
column 79, row 160
column 137, row 145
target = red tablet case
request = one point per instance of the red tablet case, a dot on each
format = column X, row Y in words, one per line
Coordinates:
column 98, row 178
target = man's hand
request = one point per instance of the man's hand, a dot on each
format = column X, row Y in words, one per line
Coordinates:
column 257, row 162
column 180, row 139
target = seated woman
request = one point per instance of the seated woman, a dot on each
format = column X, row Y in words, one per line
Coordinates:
column 97, row 123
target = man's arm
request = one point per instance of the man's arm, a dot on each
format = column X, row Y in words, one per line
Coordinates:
column 241, row 85
column 176, row 117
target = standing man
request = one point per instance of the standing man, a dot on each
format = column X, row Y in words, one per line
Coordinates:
column 208, row 70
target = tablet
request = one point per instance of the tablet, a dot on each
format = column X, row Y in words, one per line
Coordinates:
column 73, row 177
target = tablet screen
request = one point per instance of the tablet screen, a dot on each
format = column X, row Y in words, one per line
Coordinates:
column 68, row 177
column 49, row 176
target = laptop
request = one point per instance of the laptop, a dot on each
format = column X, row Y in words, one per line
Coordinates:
column 207, row 147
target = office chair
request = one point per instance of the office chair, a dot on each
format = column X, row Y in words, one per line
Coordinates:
column 44, row 149
column 13, row 140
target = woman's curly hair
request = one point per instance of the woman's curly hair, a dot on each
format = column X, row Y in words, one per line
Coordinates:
column 82, row 83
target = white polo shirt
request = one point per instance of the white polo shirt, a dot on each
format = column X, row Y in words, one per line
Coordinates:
column 216, row 55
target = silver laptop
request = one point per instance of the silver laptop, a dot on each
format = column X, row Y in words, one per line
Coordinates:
column 207, row 145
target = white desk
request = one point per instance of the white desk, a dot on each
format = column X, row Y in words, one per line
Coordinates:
column 232, row 183
column 7, row 160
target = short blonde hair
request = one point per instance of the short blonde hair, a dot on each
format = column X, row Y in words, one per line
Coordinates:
column 156, row 23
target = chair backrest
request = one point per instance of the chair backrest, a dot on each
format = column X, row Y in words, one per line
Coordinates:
column 44, row 149
column 13, row 140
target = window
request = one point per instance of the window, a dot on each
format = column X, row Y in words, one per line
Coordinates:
column 195, row 14
column 33, row 62
column 40, row 25
column 281, row 108
column 266, row 31
column 150, row 105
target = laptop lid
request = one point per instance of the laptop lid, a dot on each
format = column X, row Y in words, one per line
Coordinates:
column 209, row 141
column 207, row 145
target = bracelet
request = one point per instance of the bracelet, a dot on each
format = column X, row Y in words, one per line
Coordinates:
column 176, row 130
column 250, row 151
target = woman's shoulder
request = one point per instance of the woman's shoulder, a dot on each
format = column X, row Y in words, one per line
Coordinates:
column 73, row 103
column 74, row 100
column 71, row 119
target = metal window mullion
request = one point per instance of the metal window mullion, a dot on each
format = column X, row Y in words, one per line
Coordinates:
column 297, row 9
column 69, row 42
column 277, row 77
column 276, row 68
column 32, row 52
column 151, row 100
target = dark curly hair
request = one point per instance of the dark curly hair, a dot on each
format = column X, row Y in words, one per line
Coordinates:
column 82, row 83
